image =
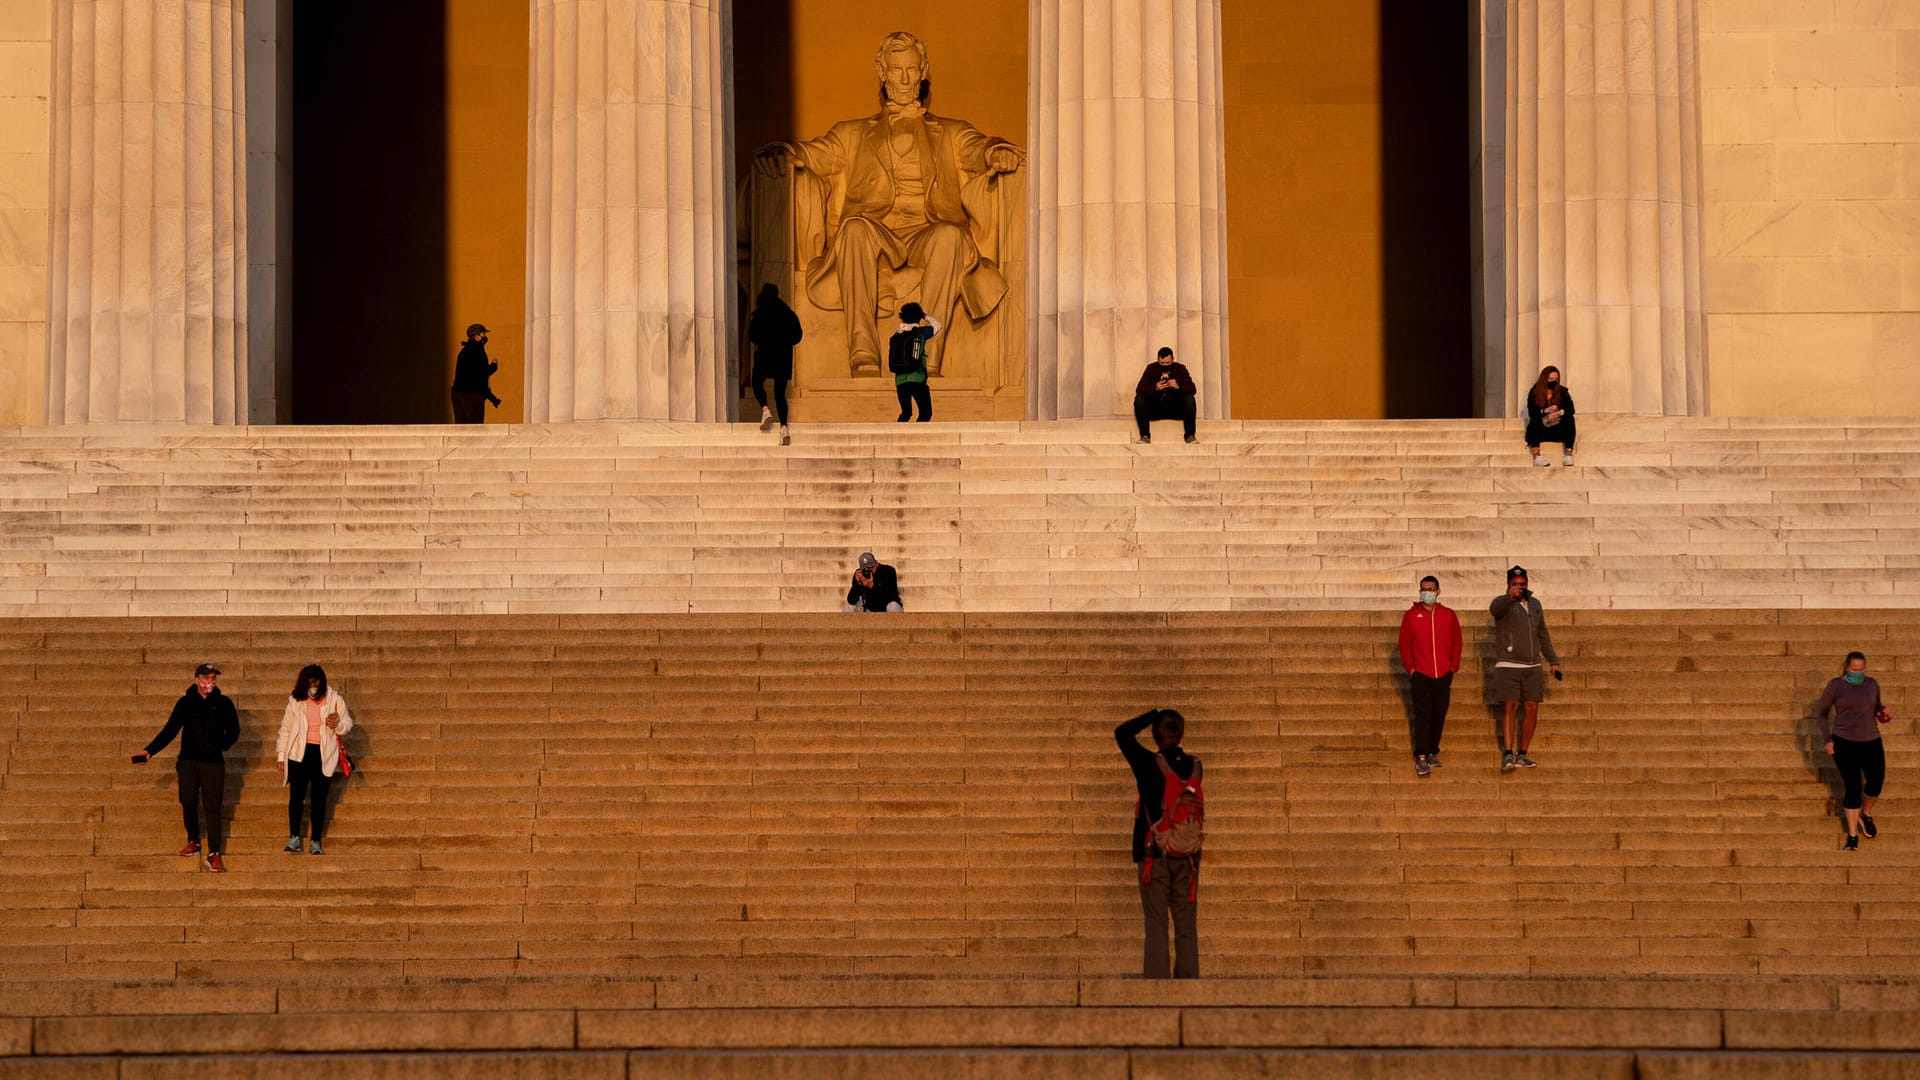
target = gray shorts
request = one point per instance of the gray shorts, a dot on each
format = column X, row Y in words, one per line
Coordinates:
column 1517, row 684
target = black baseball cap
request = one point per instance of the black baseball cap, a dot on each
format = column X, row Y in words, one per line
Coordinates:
column 205, row 669
column 1516, row 571
column 476, row 328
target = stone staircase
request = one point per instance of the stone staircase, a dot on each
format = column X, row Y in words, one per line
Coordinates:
column 731, row 845
column 1708, row 513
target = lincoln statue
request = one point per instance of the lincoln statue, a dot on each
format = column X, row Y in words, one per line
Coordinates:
column 901, row 184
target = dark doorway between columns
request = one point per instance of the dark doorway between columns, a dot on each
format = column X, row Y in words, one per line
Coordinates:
column 370, row 322
column 1426, row 199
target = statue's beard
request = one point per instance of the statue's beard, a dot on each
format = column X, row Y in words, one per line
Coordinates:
column 903, row 95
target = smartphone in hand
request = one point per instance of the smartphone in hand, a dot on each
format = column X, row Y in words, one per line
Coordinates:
column 140, row 758
column 1557, row 676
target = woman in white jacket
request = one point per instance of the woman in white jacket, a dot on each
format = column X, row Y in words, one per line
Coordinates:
column 308, row 751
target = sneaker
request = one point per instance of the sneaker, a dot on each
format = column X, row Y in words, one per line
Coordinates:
column 214, row 864
column 1433, row 760
column 1853, row 843
column 1192, row 439
column 1524, row 761
column 786, row 437
column 192, row 848
column 1567, row 459
column 766, row 418
column 1540, row 461
column 1145, row 439
column 1866, row 827
column 1421, row 768
column 314, row 848
column 1506, row 762
column 293, row 846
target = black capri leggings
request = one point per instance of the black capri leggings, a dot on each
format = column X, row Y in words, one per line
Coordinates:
column 1863, row 768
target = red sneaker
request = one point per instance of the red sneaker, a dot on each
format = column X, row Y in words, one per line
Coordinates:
column 192, row 848
column 214, row 864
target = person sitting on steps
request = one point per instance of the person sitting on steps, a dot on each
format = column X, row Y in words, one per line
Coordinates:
column 1165, row 392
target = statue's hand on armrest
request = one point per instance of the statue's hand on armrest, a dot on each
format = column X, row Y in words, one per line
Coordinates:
column 774, row 159
column 1004, row 159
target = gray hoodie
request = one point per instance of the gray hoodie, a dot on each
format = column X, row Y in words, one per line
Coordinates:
column 1520, row 631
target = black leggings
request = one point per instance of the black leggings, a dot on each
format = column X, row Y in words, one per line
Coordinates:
column 1863, row 768
column 779, row 394
column 910, row 392
column 304, row 776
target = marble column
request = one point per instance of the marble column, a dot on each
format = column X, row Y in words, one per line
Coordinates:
column 147, row 276
column 1128, row 247
column 1603, row 228
column 629, row 219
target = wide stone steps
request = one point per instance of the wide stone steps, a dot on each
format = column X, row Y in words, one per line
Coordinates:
column 618, row 797
column 1668, row 513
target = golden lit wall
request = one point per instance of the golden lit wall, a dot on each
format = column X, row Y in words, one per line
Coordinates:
column 26, row 53
column 1811, row 125
column 487, row 187
column 1304, row 283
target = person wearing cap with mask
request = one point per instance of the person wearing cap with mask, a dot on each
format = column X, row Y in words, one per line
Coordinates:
column 875, row 587
column 1430, row 651
column 1520, row 641
column 208, row 726
column 470, row 374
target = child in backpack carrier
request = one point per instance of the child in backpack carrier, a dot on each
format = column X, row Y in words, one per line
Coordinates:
column 907, row 359
column 1168, row 825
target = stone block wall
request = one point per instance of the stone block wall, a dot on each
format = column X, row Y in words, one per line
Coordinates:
column 1812, row 159
column 26, row 51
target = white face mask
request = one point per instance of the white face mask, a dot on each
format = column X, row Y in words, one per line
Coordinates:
column 313, row 691
column 1428, row 596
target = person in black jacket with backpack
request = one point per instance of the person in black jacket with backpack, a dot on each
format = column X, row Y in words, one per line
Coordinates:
column 1166, row 839
column 208, row 726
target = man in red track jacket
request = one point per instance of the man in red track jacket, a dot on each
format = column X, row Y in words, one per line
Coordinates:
column 1430, row 651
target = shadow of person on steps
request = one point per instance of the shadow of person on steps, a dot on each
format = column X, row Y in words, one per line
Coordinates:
column 1813, row 748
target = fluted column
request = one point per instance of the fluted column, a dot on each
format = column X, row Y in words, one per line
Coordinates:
column 1128, row 247
column 1603, row 232
column 629, row 239
column 147, row 275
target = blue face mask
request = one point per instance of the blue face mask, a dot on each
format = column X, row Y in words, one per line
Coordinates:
column 1855, row 678
column 1428, row 596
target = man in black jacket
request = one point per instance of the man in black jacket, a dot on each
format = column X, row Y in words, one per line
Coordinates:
column 471, row 373
column 774, row 330
column 208, row 726
column 1167, row 882
column 876, row 588
column 1165, row 392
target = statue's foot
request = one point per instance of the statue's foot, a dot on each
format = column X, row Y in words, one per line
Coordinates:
column 865, row 364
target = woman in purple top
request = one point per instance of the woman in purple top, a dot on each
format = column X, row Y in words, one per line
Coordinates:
column 1853, row 738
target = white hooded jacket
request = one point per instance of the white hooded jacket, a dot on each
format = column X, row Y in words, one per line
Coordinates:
column 292, row 744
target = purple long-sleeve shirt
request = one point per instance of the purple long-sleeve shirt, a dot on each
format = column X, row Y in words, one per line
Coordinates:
column 1852, row 709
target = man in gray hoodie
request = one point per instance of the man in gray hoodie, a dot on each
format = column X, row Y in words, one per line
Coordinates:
column 1520, row 641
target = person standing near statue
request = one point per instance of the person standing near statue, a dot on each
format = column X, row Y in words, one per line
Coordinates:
column 901, row 182
column 907, row 359
column 774, row 330
column 471, row 373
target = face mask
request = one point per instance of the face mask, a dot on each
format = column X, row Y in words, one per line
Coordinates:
column 313, row 691
column 1428, row 596
column 1855, row 678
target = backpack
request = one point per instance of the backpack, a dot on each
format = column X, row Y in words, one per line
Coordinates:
column 1183, row 814
column 903, row 352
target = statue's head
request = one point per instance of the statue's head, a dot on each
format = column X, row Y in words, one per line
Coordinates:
column 902, row 66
